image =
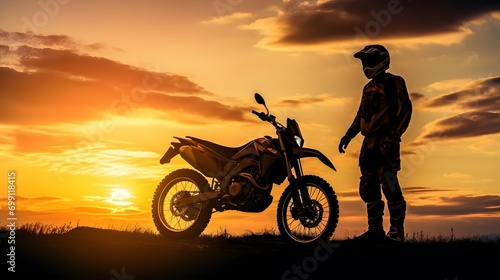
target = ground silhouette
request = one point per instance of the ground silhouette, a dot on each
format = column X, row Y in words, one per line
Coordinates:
column 94, row 253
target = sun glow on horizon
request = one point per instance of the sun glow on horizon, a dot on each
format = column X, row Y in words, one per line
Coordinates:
column 120, row 197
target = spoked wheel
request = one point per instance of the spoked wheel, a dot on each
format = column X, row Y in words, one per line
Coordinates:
column 316, row 219
column 181, row 221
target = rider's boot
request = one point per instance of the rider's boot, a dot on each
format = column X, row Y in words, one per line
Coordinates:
column 397, row 211
column 375, row 232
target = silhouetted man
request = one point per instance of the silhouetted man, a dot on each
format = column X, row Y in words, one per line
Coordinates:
column 383, row 116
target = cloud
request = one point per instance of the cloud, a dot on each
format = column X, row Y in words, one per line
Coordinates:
column 416, row 97
column 54, row 204
column 448, row 85
column 457, row 175
column 227, row 19
column 52, row 96
column 349, row 195
column 306, row 23
column 47, row 86
column 96, row 161
column 477, row 107
column 460, row 205
column 35, row 141
column 482, row 94
column 69, row 64
column 4, row 49
column 429, row 201
column 20, row 38
column 422, row 190
column 39, row 199
column 93, row 209
column 16, row 39
column 39, row 204
column 469, row 124
column 303, row 100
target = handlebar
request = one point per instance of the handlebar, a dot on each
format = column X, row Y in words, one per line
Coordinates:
column 261, row 115
column 266, row 116
column 270, row 119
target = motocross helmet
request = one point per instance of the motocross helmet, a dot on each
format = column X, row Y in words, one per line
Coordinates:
column 375, row 60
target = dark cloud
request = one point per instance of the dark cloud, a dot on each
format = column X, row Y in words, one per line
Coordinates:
column 419, row 190
column 482, row 94
column 415, row 190
column 416, row 97
column 479, row 102
column 469, row 124
column 30, row 38
column 443, row 202
column 460, row 205
column 4, row 49
column 303, row 22
column 15, row 39
column 100, row 69
column 304, row 101
column 450, row 99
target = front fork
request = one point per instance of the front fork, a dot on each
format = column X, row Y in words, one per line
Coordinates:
column 300, row 195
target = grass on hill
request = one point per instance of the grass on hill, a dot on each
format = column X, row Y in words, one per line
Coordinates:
column 39, row 229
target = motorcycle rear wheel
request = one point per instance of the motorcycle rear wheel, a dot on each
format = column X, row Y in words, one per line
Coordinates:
column 318, row 220
column 181, row 222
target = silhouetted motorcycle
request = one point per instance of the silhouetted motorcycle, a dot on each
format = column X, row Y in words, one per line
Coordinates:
column 242, row 179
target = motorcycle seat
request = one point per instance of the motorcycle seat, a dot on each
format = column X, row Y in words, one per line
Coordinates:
column 226, row 152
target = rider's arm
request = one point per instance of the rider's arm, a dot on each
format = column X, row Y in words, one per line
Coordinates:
column 405, row 107
column 355, row 127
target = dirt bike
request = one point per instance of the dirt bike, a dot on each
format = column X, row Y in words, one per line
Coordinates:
column 242, row 179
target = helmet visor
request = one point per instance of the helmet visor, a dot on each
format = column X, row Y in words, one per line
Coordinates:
column 370, row 62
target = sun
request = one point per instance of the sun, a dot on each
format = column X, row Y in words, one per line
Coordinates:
column 120, row 197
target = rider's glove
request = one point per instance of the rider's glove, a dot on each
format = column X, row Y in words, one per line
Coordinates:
column 344, row 142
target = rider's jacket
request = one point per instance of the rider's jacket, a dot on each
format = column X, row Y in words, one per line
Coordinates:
column 385, row 107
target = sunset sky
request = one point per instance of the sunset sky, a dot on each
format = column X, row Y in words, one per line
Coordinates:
column 93, row 92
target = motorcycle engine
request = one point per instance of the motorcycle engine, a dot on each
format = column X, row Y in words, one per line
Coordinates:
column 239, row 189
column 246, row 196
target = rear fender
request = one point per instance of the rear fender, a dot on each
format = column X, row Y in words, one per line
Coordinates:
column 173, row 150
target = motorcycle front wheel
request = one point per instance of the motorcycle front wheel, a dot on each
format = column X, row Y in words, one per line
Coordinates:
column 310, row 221
column 181, row 221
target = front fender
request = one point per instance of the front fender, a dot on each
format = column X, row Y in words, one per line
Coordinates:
column 308, row 152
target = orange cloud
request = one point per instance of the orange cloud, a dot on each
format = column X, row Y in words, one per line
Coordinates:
column 104, row 70
column 28, row 142
column 38, row 199
column 227, row 19
column 47, row 86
